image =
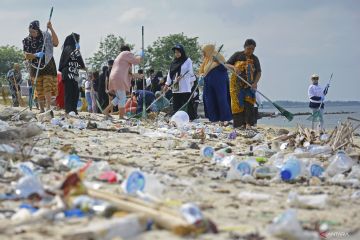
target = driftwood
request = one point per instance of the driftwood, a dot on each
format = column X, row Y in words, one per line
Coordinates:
column 342, row 136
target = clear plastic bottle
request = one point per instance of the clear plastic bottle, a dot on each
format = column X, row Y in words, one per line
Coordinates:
column 247, row 167
column 339, row 163
column 291, row 169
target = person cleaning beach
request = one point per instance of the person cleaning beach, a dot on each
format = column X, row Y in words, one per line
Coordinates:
column 216, row 86
column 14, row 80
column 70, row 63
column 120, row 79
column 180, row 77
column 316, row 96
column 46, row 83
column 247, row 65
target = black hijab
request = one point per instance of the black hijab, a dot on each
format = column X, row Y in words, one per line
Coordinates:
column 34, row 45
column 175, row 66
column 68, row 48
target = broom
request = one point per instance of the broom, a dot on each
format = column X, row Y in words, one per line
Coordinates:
column 316, row 116
column 18, row 95
column 289, row 116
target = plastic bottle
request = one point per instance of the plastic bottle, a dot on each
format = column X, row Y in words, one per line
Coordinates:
column 207, row 152
column 339, row 163
column 247, row 167
column 191, row 213
column 315, row 169
column 180, row 118
column 265, row 172
column 135, row 182
column 291, row 169
column 287, row 226
column 144, row 185
column 28, row 185
column 221, row 154
column 73, row 161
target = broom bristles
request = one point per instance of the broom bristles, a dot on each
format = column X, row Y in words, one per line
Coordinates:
column 289, row 116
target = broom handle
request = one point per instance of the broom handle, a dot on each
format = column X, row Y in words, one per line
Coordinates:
column 143, row 51
column 243, row 80
column 322, row 101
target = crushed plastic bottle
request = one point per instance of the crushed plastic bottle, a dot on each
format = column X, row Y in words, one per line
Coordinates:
column 265, row 172
column 316, row 150
column 29, row 185
column 191, row 213
column 286, row 226
column 180, row 118
column 339, row 163
column 55, row 121
column 292, row 169
column 307, row 202
column 73, row 161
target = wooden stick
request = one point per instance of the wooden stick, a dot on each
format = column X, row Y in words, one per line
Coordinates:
column 162, row 217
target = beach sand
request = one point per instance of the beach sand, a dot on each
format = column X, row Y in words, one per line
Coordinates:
column 188, row 177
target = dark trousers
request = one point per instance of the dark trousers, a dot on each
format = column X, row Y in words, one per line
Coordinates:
column 71, row 95
column 245, row 117
column 179, row 99
column 14, row 96
column 192, row 109
column 256, row 115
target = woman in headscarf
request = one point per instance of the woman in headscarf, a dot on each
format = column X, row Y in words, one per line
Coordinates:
column 70, row 63
column 216, row 86
column 180, row 77
column 247, row 65
column 46, row 82
column 103, row 96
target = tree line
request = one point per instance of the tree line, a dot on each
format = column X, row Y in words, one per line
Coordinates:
column 158, row 55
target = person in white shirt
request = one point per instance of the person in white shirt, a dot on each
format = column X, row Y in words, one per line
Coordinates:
column 180, row 77
column 316, row 96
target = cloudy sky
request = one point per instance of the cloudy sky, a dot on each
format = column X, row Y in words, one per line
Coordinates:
column 294, row 38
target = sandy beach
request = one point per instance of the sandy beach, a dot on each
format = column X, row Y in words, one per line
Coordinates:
column 174, row 158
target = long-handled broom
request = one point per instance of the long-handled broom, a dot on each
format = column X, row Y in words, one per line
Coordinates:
column 289, row 116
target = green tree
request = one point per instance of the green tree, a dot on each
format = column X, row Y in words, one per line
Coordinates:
column 8, row 56
column 109, row 49
column 160, row 55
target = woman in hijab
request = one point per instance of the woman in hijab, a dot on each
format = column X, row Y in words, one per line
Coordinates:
column 70, row 63
column 216, row 86
column 180, row 77
column 38, row 47
column 103, row 96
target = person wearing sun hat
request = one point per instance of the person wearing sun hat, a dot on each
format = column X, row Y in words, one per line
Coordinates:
column 316, row 95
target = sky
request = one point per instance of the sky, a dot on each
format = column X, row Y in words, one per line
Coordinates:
column 295, row 38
